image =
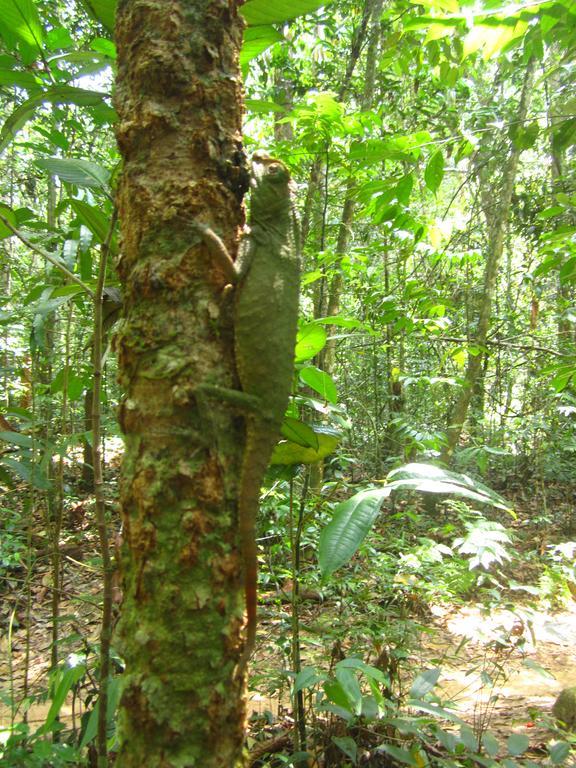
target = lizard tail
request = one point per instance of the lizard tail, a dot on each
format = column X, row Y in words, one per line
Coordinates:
column 256, row 457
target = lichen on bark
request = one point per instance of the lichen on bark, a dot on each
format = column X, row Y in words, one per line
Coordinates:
column 178, row 97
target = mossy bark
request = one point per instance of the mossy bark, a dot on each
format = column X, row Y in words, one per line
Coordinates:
column 179, row 102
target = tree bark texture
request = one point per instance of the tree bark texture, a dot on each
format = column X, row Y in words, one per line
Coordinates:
column 179, row 98
column 497, row 224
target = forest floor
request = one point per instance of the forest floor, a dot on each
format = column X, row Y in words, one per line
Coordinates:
column 502, row 688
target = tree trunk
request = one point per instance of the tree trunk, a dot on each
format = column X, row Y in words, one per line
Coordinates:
column 497, row 224
column 179, row 101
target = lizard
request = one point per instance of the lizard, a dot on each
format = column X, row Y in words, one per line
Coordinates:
column 266, row 279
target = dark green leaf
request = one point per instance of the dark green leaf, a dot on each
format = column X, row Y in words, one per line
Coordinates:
column 30, row 473
column 96, row 221
column 559, row 751
column 350, row 524
column 10, row 216
column 14, row 77
column 348, row 746
column 24, row 441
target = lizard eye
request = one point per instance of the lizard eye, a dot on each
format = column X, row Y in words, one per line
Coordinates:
column 277, row 171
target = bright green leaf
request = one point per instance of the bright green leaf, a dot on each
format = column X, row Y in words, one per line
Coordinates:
column 300, row 433
column 20, row 18
column 256, row 40
column 289, row 453
column 320, row 382
column 103, row 11
column 258, row 12
column 310, row 340
column 434, row 172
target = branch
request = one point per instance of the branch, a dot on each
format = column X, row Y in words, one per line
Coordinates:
column 45, row 254
column 498, row 343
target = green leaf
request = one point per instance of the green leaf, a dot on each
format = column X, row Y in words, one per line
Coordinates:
column 434, row 172
column 424, row 683
column 320, row 382
column 342, row 322
column 517, row 743
column 57, row 94
column 28, row 472
column 306, row 678
column 83, row 173
column 288, row 452
column 402, row 755
column 349, row 526
column 436, row 711
column 490, row 744
column 20, row 18
column 103, row 11
column 348, row 746
column 351, row 687
column 264, row 12
column 13, row 77
column 300, row 433
column 337, row 695
column 256, row 40
column 66, row 679
column 10, row 216
column 538, row 668
column 24, row 441
column 96, row 221
column 310, row 340
column 559, row 751
column 371, row 672
column 431, row 479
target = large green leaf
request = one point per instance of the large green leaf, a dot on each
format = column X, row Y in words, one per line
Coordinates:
column 289, row 452
column 77, row 171
column 264, row 12
column 310, row 340
column 57, row 94
column 20, row 19
column 348, row 528
column 428, row 478
column 353, row 518
column 14, row 77
column 96, row 221
column 320, row 382
column 103, row 11
column 257, row 40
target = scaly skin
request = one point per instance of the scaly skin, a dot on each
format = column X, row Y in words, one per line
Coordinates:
column 266, row 275
column 266, row 317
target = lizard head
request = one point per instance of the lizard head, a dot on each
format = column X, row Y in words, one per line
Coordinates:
column 271, row 187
